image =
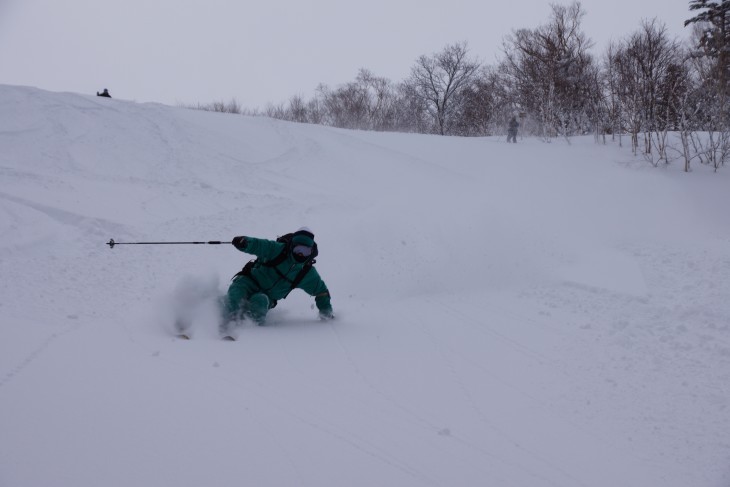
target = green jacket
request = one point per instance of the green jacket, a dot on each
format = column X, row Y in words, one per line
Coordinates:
column 276, row 282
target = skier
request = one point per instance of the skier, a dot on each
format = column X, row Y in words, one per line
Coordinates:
column 512, row 130
column 280, row 267
column 104, row 93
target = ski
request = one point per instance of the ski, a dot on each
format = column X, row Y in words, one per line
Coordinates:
column 182, row 329
column 229, row 331
column 188, row 336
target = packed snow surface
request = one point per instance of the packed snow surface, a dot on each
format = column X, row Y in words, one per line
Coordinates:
column 532, row 314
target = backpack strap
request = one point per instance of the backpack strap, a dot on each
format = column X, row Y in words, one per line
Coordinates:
column 246, row 271
column 286, row 240
column 300, row 276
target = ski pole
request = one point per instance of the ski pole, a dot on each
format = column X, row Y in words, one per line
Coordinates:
column 111, row 243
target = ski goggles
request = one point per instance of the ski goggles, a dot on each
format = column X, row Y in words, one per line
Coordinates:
column 302, row 250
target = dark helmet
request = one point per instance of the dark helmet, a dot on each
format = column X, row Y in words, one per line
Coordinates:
column 303, row 246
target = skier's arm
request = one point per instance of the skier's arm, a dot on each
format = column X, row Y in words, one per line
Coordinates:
column 313, row 285
column 324, row 305
column 265, row 249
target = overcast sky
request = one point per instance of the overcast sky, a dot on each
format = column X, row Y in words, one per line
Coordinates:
column 190, row 51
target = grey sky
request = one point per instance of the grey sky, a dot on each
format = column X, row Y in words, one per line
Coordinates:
column 192, row 51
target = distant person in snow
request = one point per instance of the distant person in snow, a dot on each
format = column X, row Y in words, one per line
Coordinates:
column 104, row 93
column 512, row 130
column 282, row 265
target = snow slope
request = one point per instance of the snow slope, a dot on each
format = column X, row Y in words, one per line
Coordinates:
column 513, row 315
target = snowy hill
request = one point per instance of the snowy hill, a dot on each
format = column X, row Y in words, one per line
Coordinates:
column 507, row 315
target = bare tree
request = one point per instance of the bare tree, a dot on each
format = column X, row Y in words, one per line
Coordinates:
column 656, row 56
column 610, row 83
column 297, row 111
column 276, row 111
column 316, row 112
column 381, row 100
column 231, row 106
column 439, row 81
column 346, row 106
column 644, row 64
column 686, row 107
column 366, row 103
column 480, row 106
column 411, row 110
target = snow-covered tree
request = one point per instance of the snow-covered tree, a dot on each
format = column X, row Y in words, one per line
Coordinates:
column 713, row 40
column 549, row 71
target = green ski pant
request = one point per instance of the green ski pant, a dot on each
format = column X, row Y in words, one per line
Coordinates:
column 245, row 300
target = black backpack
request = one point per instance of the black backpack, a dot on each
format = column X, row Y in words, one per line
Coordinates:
column 287, row 241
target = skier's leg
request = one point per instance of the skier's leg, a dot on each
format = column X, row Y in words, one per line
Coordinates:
column 225, row 315
column 257, row 307
column 233, row 304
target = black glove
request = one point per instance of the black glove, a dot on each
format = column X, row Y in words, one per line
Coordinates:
column 239, row 242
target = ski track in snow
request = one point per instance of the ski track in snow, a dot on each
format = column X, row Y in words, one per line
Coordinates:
column 631, row 342
column 429, row 426
column 18, row 368
column 94, row 227
column 448, row 358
